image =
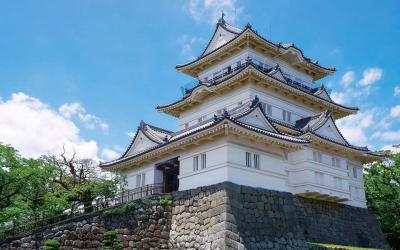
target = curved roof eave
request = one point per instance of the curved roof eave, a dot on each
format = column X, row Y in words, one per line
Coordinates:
column 280, row 137
column 160, row 107
column 239, row 36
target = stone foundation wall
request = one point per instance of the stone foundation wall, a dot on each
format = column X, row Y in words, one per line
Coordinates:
column 146, row 227
column 230, row 216
column 222, row 216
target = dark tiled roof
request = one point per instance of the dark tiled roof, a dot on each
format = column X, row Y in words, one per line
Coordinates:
column 279, row 45
column 313, row 123
column 232, row 115
column 153, row 133
column 266, row 72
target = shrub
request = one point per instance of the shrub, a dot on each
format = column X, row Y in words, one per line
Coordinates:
column 110, row 241
column 123, row 210
column 164, row 201
column 51, row 245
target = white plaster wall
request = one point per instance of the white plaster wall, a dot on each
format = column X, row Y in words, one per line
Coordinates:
column 131, row 174
column 153, row 175
column 226, row 162
column 258, row 57
column 211, row 105
column 279, row 104
column 215, row 171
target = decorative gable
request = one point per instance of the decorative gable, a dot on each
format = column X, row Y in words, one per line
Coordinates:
column 329, row 130
column 140, row 143
column 322, row 92
column 257, row 119
column 221, row 36
column 277, row 73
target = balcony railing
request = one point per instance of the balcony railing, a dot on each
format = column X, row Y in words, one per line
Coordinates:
column 99, row 205
column 226, row 72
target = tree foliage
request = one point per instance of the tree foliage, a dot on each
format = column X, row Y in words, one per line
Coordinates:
column 382, row 182
column 31, row 189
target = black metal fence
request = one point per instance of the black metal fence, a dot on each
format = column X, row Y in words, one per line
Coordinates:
column 99, row 205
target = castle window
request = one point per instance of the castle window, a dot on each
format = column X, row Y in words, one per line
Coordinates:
column 252, row 160
column 256, row 161
column 196, row 163
column 319, row 178
column 285, row 156
column 354, row 172
column 317, row 156
column 287, row 116
column 267, row 108
column 203, row 161
column 140, row 180
column 248, row 159
column 336, row 162
column 200, row 119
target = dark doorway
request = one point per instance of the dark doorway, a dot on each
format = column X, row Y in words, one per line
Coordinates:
column 170, row 170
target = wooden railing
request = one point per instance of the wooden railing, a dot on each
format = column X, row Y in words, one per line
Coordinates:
column 98, row 205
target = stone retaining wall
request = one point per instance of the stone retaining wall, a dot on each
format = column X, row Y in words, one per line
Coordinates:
column 222, row 216
column 230, row 216
column 145, row 227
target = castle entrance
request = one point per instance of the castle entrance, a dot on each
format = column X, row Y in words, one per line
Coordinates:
column 170, row 169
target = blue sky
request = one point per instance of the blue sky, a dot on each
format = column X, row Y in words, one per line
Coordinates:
column 84, row 73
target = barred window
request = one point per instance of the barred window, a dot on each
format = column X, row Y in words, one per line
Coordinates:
column 196, row 163
column 203, row 161
column 256, row 161
column 287, row 116
column 138, row 180
column 248, row 159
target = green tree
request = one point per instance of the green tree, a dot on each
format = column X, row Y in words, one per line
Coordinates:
column 79, row 181
column 382, row 182
column 25, row 188
column 32, row 189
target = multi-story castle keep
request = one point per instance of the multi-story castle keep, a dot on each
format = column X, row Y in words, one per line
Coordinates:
column 254, row 118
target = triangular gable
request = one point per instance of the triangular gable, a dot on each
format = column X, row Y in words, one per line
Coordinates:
column 221, row 36
column 329, row 130
column 323, row 93
column 140, row 143
column 257, row 119
column 277, row 74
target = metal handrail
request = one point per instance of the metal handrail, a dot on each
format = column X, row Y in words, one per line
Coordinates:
column 105, row 203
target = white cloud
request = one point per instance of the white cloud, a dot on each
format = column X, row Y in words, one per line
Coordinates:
column 353, row 127
column 387, row 135
column 108, row 154
column 68, row 110
column 35, row 129
column 395, row 111
column 347, row 78
column 339, row 97
column 370, row 76
column 210, row 10
column 132, row 134
column 396, row 91
column 188, row 42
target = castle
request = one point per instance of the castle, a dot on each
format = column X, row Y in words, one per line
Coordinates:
column 254, row 118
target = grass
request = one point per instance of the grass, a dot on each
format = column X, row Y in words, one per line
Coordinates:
column 333, row 246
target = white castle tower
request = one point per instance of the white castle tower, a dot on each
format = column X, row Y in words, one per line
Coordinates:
column 254, row 118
